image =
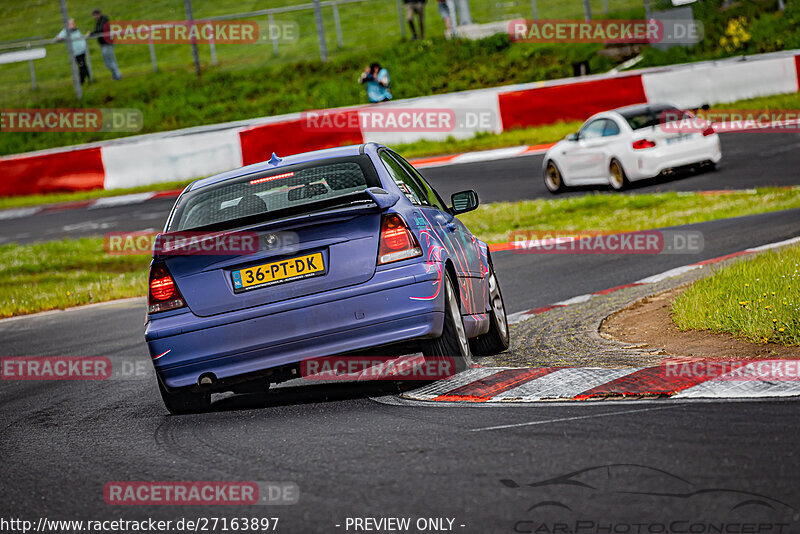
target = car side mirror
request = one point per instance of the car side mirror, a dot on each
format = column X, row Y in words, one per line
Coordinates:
column 573, row 137
column 463, row 201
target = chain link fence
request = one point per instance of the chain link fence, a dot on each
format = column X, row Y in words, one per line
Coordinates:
column 341, row 26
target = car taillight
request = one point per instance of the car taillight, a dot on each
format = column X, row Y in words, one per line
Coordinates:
column 643, row 143
column 709, row 131
column 162, row 294
column 397, row 241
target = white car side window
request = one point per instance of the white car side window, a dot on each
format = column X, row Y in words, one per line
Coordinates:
column 593, row 130
column 611, row 128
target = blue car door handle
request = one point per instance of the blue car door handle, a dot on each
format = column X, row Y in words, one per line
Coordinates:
column 451, row 227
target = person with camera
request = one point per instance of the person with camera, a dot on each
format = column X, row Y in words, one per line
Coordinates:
column 377, row 80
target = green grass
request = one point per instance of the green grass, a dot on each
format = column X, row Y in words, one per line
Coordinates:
column 60, row 274
column 494, row 222
column 65, row 273
column 755, row 299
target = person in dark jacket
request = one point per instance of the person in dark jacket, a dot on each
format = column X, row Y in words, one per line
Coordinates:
column 106, row 44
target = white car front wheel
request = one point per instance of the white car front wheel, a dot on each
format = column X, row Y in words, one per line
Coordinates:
column 552, row 178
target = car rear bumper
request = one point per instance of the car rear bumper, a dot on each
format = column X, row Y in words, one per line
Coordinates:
column 650, row 163
column 391, row 308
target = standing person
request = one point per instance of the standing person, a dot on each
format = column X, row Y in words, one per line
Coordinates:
column 78, row 47
column 416, row 7
column 377, row 80
column 444, row 12
column 106, row 44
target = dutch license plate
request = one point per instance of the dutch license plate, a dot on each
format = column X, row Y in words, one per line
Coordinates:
column 278, row 272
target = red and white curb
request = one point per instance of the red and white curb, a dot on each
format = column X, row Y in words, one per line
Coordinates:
column 483, row 155
column 518, row 317
column 750, row 379
column 512, row 384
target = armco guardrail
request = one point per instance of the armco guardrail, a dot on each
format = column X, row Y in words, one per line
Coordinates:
column 196, row 152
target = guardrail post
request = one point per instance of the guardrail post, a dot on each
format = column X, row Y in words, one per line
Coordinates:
column 338, row 24
column 68, row 40
column 465, row 14
column 401, row 18
column 152, row 54
column 535, row 12
column 272, row 34
column 587, row 10
column 323, row 47
column 33, row 71
column 187, row 4
column 212, row 46
column 89, row 64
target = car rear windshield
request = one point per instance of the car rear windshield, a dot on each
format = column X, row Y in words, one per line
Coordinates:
column 653, row 116
column 274, row 194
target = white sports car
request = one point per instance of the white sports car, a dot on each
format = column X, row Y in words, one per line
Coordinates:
column 631, row 143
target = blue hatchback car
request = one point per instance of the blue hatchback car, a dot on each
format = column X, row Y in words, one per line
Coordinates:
column 352, row 250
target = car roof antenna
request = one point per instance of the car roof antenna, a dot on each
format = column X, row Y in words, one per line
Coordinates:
column 274, row 160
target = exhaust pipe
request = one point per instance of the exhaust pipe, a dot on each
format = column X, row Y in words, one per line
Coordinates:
column 206, row 379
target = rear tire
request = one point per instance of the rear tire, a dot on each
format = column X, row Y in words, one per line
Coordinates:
column 617, row 177
column 453, row 342
column 496, row 340
column 553, row 180
column 182, row 401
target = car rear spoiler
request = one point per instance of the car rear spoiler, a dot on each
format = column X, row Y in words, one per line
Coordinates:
column 383, row 198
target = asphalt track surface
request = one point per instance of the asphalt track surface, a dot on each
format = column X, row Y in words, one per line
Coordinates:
column 353, row 451
column 749, row 159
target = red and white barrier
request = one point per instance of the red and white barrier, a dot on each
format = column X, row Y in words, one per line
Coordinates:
column 291, row 136
column 198, row 152
column 64, row 170
column 170, row 159
column 691, row 87
column 573, row 101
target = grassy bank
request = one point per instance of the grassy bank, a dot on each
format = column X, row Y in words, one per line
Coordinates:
column 755, row 299
column 68, row 273
column 175, row 99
